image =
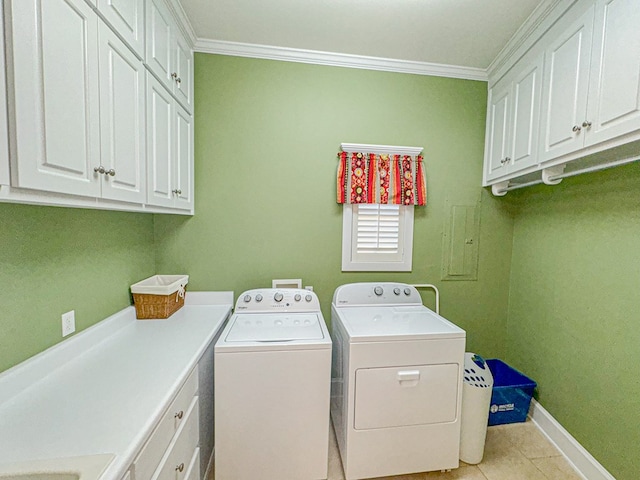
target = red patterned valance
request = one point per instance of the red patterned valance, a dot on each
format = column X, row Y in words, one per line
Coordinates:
column 386, row 179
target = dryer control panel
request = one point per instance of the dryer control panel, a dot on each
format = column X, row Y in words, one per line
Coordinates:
column 376, row 293
column 270, row 300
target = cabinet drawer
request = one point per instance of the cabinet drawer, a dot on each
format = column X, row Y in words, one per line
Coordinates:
column 147, row 461
column 193, row 472
column 176, row 461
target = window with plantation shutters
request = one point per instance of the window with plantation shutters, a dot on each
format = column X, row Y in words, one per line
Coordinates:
column 377, row 237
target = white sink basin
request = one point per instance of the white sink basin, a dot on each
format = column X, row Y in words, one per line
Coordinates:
column 88, row 467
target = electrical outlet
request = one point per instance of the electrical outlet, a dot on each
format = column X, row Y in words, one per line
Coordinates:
column 68, row 323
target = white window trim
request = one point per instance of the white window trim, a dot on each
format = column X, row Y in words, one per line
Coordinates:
column 349, row 225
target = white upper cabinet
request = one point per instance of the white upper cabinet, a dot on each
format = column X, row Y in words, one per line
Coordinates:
column 75, row 106
column 159, row 54
column 587, row 101
column 168, row 54
column 127, row 19
column 55, row 80
column 498, row 113
column 169, row 149
column 184, row 159
column 122, row 120
column 614, row 86
column 513, row 119
column 4, row 134
column 567, row 62
column 184, row 74
column 79, row 120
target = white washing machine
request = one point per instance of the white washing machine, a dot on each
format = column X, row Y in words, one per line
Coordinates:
column 396, row 382
column 272, row 375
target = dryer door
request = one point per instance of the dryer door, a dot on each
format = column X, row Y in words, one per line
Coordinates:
column 407, row 395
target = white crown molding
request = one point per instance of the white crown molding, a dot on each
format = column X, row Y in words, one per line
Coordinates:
column 183, row 21
column 581, row 460
column 540, row 20
column 337, row 59
column 388, row 149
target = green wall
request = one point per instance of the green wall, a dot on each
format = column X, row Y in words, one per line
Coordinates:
column 561, row 263
column 267, row 134
column 574, row 309
column 53, row 260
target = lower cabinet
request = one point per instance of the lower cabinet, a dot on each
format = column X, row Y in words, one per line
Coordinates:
column 170, row 149
column 172, row 451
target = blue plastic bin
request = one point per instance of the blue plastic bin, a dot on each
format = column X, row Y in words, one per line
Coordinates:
column 511, row 395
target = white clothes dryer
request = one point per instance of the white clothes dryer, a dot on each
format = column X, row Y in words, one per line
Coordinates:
column 272, row 377
column 396, row 382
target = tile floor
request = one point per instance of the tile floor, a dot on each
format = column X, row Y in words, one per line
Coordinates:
column 512, row 452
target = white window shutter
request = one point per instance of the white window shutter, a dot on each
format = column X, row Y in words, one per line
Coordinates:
column 377, row 237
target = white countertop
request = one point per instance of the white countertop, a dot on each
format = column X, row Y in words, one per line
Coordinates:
column 103, row 390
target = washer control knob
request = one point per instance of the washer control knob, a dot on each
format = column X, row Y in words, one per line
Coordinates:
column 247, row 298
column 308, row 298
column 396, row 291
column 258, row 298
column 407, row 291
column 378, row 291
column 297, row 297
column 278, row 297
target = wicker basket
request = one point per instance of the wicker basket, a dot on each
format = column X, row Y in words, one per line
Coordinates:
column 160, row 296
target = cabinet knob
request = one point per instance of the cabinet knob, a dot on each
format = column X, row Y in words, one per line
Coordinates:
column 99, row 169
column 576, row 128
column 586, row 124
column 111, row 172
column 180, row 467
column 179, row 415
column 178, row 80
column 177, row 191
column 174, row 75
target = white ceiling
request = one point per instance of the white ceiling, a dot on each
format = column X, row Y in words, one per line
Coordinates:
column 466, row 33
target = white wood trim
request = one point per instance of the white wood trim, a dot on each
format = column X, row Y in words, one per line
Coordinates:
column 36, row 197
column 182, row 20
column 540, row 20
column 390, row 149
column 220, row 47
column 579, row 458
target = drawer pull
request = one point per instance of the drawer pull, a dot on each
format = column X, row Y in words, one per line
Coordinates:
column 409, row 376
column 179, row 415
column 180, row 468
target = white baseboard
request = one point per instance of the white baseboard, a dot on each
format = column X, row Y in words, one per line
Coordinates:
column 579, row 458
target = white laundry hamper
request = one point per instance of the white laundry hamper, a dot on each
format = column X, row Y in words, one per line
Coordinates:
column 476, row 399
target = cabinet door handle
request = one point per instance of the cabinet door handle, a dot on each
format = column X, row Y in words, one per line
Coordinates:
column 99, row 169
column 177, row 191
column 178, row 80
column 180, row 467
column 577, row 128
column 586, row 124
column 174, row 75
column 111, row 172
column 179, row 415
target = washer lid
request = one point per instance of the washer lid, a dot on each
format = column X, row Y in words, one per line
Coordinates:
column 271, row 327
column 364, row 324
